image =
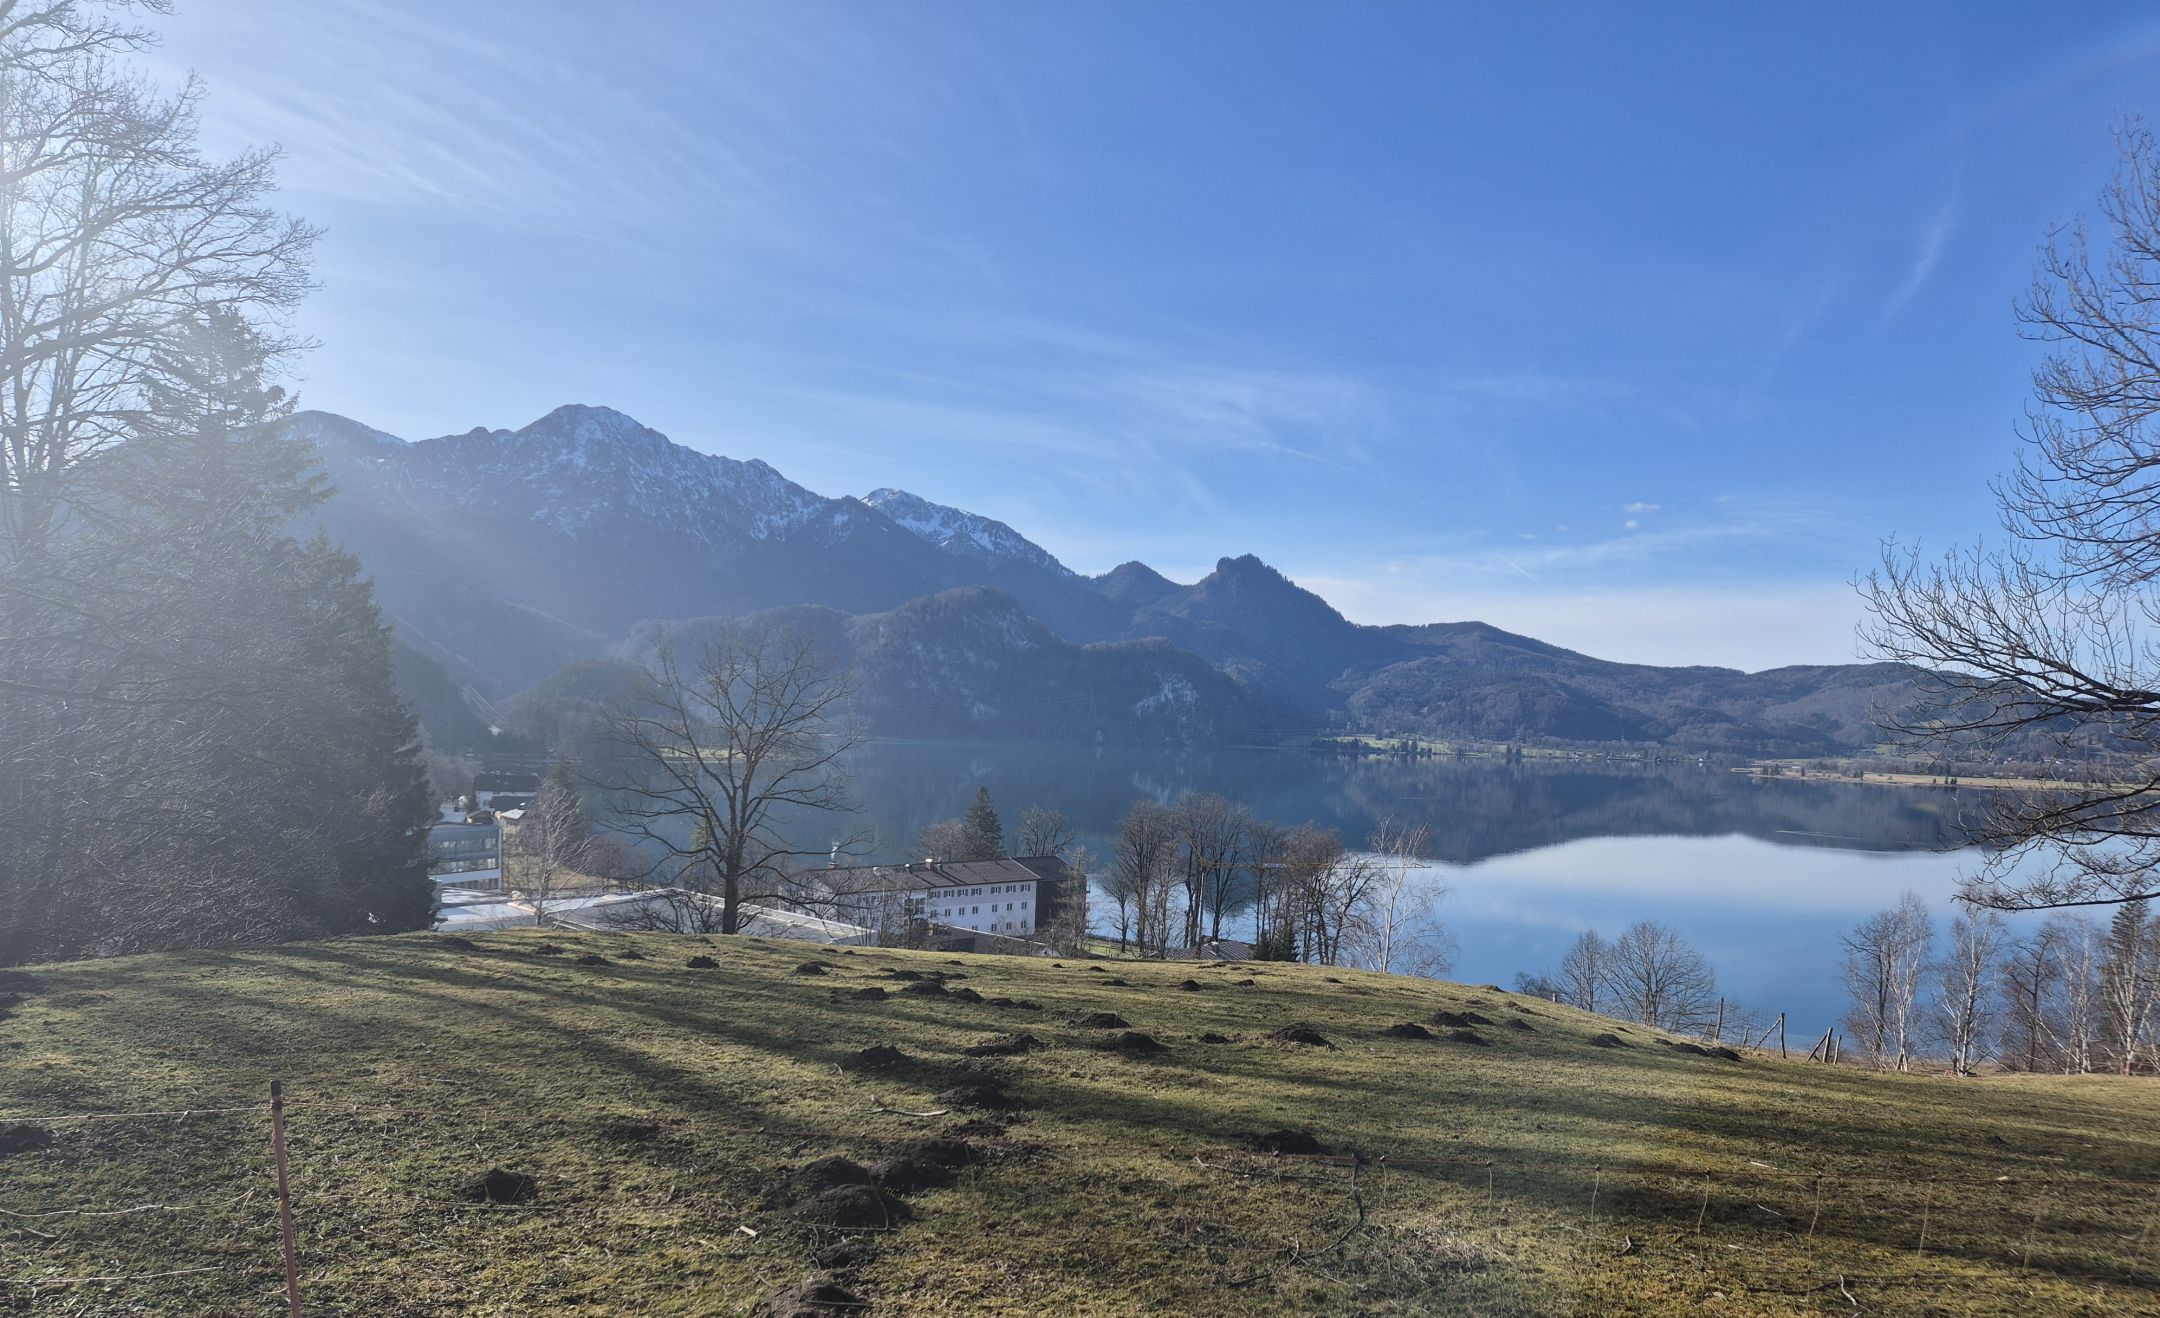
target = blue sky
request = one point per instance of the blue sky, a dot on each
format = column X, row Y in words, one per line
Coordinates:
column 1632, row 327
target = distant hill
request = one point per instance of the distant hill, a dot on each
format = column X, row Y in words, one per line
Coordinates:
column 506, row 556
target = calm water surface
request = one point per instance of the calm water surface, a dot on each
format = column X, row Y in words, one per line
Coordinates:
column 1761, row 874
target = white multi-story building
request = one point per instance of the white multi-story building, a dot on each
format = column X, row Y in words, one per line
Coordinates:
column 1002, row 896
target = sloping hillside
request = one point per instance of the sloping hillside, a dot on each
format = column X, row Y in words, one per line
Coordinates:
column 674, row 1103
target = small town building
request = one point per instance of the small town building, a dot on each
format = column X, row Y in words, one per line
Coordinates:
column 464, row 854
column 1008, row 896
column 504, row 791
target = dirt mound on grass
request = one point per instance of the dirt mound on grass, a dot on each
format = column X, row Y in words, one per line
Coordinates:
column 1245, row 983
column 902, row 974
column 879, row 1057
column 945, row 1151
column 815, row 1178
column 1293, row 1142
column 976, row 1128
column 925, row 988
column 1005, row 1045
column 1459, row 1020
column 1116, row 983
column 1133, row 1043
column 1725, row 1054
column 630, row 954
column 853, row 1207
column 548, row 949
column 1212, row 1037
column 1191, row 986
column 1100, row 1020
column 809, row 968
column 907, row 1175
column 840, row 1255
column 457, row 943
column 985, row 1094
column 497, row 1186
column 1097, row 970
column 1408, row 1030
column 812, row 1297
column 965, row 995
column 1471, row 1037
column 23, row 1139
column 592, row 959
column 1607, row 1041
column 1523, row 1025
column 1302, row 1034
column 702, row 963
column 869, row 993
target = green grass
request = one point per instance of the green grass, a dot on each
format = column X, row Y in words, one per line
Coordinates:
column 1123, row 1187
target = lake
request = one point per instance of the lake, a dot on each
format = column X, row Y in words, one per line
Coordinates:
column 1761, row 874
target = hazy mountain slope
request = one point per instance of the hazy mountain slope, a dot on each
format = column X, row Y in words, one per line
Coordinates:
column 504, row 555
column 970, row 662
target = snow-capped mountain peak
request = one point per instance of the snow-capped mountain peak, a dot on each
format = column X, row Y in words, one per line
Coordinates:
column 959, row 531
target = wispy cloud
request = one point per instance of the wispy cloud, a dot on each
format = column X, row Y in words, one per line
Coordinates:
column 1932, row 242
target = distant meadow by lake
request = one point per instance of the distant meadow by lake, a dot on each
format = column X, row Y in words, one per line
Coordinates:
column 1762, row 874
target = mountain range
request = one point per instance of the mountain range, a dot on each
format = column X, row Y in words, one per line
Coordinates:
column 504, row 557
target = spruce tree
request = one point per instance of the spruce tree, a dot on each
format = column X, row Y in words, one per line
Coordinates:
column 985, row 835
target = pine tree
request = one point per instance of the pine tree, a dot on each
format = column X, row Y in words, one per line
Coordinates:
column 985, row 835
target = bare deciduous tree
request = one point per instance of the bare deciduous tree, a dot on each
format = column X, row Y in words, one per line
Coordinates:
column 947, row 839
column 1584, row 970
column 1965, row 986
column 1141, row 876
column 1885, row 958
column 1399, row 929
column 2051, row 637
column 732, row 758
column 1655, row 976
column 554, row 842
column 1044, row 832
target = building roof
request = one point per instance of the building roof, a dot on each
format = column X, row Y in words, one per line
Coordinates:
column 926, row 875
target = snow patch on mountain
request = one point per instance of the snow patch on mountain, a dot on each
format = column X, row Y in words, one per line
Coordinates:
column 961, row 532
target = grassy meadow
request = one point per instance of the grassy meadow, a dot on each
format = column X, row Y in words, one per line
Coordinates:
column 1525, row 1159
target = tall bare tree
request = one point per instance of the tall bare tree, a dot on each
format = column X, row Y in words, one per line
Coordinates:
column 732, row 758
column 1584, row 969
column 1140, row 877
column 2049, row 638
column 1044, row 832
column 1886, row 956
column 1399, row 929
column 1965, row 986
column 1655, row 976
column 555, row 841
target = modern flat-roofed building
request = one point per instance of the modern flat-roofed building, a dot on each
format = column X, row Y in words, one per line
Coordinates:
column 465, row 855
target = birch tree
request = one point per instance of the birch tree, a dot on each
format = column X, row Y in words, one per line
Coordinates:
column 1886, row 957
column 1965, row 986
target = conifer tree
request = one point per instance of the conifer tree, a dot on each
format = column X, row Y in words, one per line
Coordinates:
column 985, row 835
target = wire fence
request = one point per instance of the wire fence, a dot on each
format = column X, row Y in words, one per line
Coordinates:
column 1843, row 1234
